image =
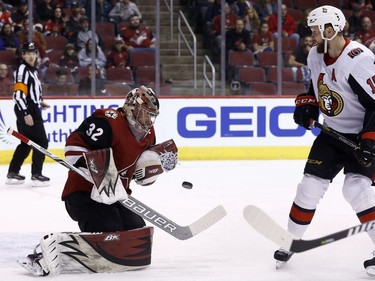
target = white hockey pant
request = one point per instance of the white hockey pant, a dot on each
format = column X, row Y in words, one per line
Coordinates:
column 359, row 194
column 309, row 192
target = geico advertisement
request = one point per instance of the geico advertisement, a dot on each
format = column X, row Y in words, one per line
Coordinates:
column 190, row 122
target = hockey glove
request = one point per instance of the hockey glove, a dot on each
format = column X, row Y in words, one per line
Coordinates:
column 366, row 152
column 306, row 108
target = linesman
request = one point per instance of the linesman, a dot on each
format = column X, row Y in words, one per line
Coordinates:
column 28, row 99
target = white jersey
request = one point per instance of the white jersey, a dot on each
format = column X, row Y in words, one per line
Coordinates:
column 333, row 81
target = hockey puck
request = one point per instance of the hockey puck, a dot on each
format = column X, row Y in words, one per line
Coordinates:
column 187, row 185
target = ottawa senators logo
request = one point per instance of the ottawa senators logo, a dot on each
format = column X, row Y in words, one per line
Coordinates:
column 330, row 102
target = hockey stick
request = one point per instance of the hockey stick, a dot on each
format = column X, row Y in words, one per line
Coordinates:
column 266, row 226
column 134, row 205
column 334, row 134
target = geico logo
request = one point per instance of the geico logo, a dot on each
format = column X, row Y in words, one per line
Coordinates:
column 238, row 121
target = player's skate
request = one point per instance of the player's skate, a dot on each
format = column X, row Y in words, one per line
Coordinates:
column 39, row 180
column 15, row 178
column 282, row 256
column 370, row 265
column 32, row 263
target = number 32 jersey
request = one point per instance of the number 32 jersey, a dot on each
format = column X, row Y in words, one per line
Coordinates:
column 345, row 87
column 104, row 128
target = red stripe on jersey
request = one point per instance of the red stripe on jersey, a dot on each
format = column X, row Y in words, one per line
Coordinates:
column 367, row 215
column 368, row 135
column 300, row 215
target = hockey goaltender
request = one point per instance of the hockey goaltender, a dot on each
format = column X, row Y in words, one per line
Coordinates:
column 112, row 147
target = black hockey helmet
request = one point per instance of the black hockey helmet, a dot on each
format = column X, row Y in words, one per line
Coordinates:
column 29, row 47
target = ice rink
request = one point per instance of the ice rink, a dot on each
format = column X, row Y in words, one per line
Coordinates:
column 230, row 250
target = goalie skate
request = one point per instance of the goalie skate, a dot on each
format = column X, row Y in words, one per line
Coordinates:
column 282, row 256
column 32, row 265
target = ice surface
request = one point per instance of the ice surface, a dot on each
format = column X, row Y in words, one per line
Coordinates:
column 230, row 250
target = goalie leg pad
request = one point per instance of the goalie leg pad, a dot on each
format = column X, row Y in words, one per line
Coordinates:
column 96, row 252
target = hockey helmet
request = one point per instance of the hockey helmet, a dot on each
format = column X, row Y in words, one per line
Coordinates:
column 29, row 47
column 327, row 15
column 142, row 107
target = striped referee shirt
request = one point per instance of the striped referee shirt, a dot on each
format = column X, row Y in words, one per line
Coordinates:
column 27, row 88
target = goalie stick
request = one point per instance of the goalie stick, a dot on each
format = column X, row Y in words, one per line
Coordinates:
column 134, row 205
column 266, row 226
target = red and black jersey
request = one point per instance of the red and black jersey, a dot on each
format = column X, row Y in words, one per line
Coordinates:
column 105, row 128
column 141, row 37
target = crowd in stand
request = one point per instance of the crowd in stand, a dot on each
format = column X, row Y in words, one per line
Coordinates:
column 251, row 26
column 65, row 41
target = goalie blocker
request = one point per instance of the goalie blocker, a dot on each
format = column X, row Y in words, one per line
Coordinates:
column 71, row 252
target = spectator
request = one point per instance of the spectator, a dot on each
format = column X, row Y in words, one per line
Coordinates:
column 56, row 26
column 213, row 9
column 8, row 40
column 215, row 35
column 302, row 29
column 72, row 3
column 355, row 20
column 252, row 21
column 118, row 56
column 73, row 25
column 362, row 4
column 136, row 35
column 84, row 84
column 59, row 87
column 239, row 7
column 5, row 81
column 298, row 59
column 366, row 32
column 346, row 31
column 288, row 24
column 7, row 6
column 238, row 38
column 84, row 57
column 263, row 39
column 265, row 8
column 103, row 7
column 69, row 59
column 5, row 16
column 85, row 33
column 21, row 14
column 123, row 10
column 45, row 10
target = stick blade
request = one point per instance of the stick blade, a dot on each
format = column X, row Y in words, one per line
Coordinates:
column 266, row 226
column 207, row 220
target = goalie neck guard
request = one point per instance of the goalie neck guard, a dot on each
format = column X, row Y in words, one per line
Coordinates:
column 141, row 108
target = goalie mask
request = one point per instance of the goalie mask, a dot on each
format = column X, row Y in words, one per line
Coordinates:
column 141, row 107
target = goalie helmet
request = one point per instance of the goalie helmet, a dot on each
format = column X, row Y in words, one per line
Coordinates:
column 141, row 107
column 327, row 15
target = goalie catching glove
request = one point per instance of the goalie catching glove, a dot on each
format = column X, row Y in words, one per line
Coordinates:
column 306, row 108
column 154, row 161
